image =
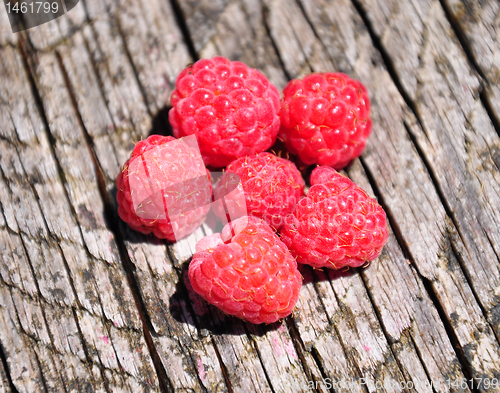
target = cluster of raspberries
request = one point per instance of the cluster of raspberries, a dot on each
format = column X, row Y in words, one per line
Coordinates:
column 233, row 114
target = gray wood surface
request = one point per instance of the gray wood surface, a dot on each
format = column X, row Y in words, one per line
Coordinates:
column 86, row 304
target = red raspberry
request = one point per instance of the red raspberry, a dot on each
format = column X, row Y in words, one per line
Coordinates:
column 164, row 188
column 231, row 108
column 272, row 187
column 337, row 224
column 325, row 119
column 250, row 275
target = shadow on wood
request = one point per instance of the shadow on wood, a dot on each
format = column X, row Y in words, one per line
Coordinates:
column 127, row 233
column 160, row 123
column 208, row 317
column 311, row 275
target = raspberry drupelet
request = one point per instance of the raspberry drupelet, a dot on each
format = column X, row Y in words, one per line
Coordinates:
column 336, row 225
column 231, row 108
column 164, row 188
column 325, row 119
column 247, row 272
column 272, row 187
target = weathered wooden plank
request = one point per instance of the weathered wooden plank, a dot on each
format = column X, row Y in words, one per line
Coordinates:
column 226, row 48
column 81, row 185
column 457, row 137
column 478, row 26
column 382, row 367
column 106, row 93
column 120, row 69
column 41, row 227
column 55, row 218
column 109, row 278
column 153, row 41
column 24, row 371
column 421, row 223
column 233, row 29
column 255, row 358
column 4, row 380
column 411, row 322
column 163, row 323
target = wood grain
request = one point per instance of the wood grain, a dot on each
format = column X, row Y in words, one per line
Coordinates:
column 477, row 25
column 283, row 36
column 86, row 304
column 56, row 286
column 410, row 202
column 456, row 138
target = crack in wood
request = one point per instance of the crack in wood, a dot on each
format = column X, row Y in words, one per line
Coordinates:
column 5, row 366
column 191, row 311
column 382, row 326
column 300, row 349
column 39, row 293
column 465, row 363
column 186, row 35
column 265, row 20
column 42, row 377
column 389, row 64
column 223, row 367
column 69, row 275
column 86, row 351
column 319, row 276
column 462, row 38
column 421, row 358
column 256, row 348
column 486, row 101
column 134, row 68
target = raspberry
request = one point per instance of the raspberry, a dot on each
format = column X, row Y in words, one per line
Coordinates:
column 272, row 187
column 325, row 119
column 164, row 188
column 337, row 224
column 231, row 108
column 250, row 274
